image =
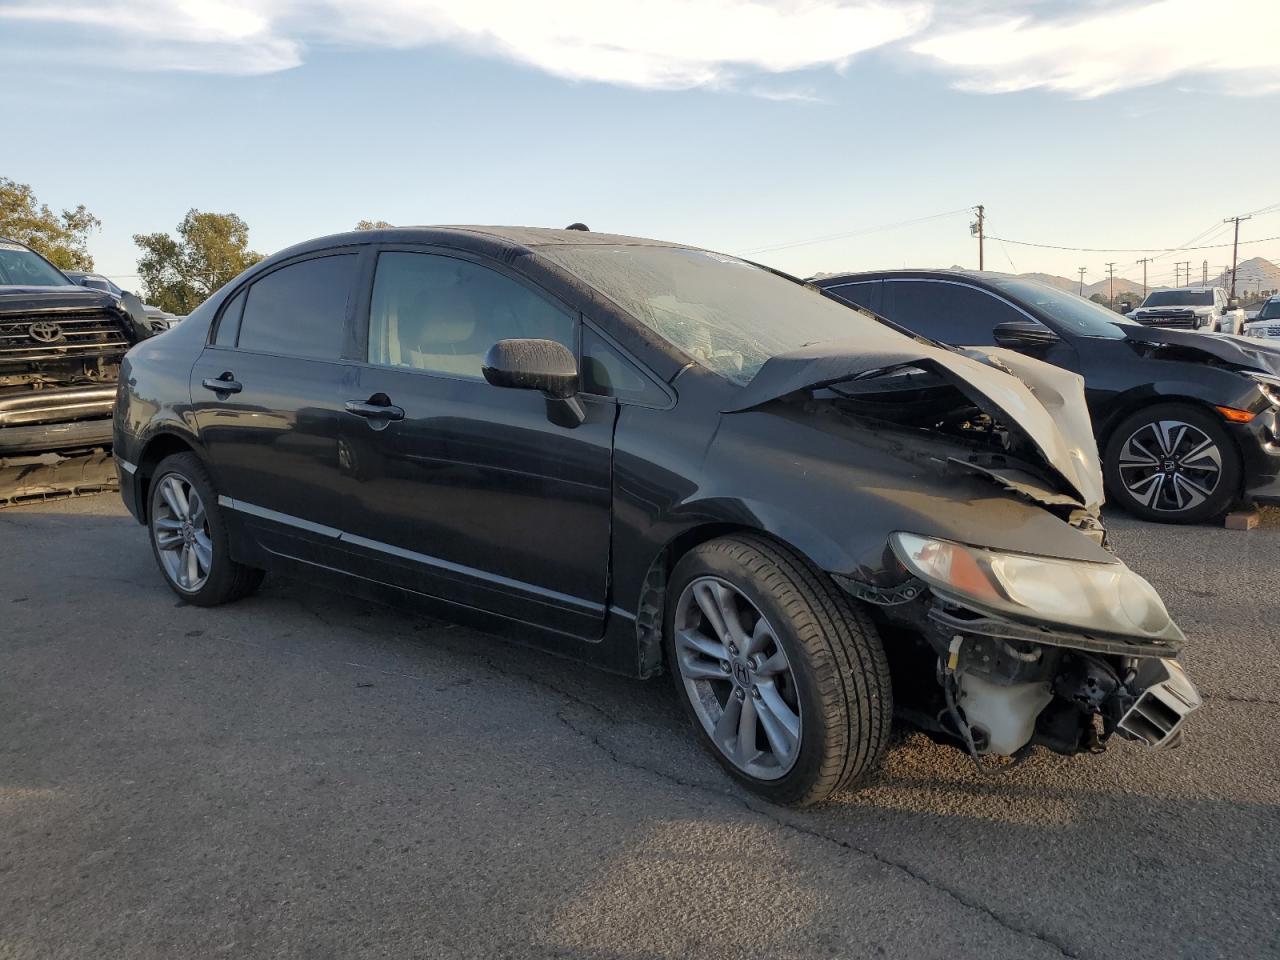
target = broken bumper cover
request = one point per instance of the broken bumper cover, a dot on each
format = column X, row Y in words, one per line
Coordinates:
column 1167, row 698
column 38, row 421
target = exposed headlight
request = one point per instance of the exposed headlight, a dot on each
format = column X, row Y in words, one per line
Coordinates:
column 1269, row 385
column 1101, row 597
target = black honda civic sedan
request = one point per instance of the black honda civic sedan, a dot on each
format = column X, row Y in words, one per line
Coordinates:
column 650, row 456
column 1187, row 423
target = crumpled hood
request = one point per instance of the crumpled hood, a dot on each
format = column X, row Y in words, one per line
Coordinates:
column 1052, row 414
column 1237, row 351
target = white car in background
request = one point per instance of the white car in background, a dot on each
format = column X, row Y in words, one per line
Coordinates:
column 1191, row 308
column 1267, row 323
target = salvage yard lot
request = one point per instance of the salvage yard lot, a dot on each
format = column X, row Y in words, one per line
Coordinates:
column 301, row 775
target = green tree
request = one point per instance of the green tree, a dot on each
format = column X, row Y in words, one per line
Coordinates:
column 373, row 225
column 179, row 273
column 63, row 237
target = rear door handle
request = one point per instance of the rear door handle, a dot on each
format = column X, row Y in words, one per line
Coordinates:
column 374, row 411
column 227, row 383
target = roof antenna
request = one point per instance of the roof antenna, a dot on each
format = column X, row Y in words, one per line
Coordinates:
column 578, row 226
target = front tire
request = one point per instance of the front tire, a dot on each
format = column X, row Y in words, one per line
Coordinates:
column 189, row 535
column 784, row 677
column 1172, row 463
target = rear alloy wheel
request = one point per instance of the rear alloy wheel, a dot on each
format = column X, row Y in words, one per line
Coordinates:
column 782, row 674
column 180, row 526
column 189, row 538
column 1172, row 463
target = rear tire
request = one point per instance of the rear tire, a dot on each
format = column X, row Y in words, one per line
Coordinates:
column 189, row 535
column 805, row 656
column 1172, row 463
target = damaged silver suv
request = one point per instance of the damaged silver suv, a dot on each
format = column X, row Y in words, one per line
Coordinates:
column 657, row 458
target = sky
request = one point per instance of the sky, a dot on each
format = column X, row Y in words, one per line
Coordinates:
column 812, row 135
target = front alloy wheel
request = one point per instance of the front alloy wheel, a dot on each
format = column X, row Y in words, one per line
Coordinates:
column 737, row 678
column 1172, row 463
column 782, row 674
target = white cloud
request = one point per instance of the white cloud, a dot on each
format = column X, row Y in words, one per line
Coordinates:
column 991, row 46
column 655, row 44
column 208, row 36
column 1110, row 48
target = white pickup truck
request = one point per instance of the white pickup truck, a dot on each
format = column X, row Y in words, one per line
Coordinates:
column 1191, row 308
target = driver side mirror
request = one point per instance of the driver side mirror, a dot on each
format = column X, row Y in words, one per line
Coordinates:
column 538, row 365
column 1023, row 335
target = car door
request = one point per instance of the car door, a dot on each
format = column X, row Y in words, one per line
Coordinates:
column 471, row 493
column 267, row 395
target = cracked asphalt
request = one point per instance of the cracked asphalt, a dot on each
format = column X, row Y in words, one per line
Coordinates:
column 303, row 775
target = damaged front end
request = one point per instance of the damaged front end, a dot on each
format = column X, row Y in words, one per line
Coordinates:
column 1004, row 651
column 998, row 649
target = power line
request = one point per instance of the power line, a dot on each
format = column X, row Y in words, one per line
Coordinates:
column 856, row 233
column 1050, row 246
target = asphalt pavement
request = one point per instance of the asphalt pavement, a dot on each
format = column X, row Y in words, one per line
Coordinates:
column 303, row 775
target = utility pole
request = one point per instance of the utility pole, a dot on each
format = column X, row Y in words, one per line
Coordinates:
column 1111, row 272
column 1204, row 274
column 1082, row 270
column 978, row 229
column 1235, row 246
column 1186, row 265
column 1144, row 261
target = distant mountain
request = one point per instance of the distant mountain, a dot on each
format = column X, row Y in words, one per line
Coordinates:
column 1248, row 273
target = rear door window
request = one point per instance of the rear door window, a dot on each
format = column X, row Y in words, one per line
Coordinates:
column 950, row 312
column 300, row 310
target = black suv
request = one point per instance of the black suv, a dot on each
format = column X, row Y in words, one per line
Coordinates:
column 1186, row 422
column 60, row 350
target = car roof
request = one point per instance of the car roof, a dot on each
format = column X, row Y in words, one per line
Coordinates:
column 979, row 276
column 502, row 242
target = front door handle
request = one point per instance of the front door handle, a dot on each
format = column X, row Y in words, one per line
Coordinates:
column 227, row 383
column 374, row 411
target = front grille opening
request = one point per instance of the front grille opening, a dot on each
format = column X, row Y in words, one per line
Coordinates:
column 43, row 337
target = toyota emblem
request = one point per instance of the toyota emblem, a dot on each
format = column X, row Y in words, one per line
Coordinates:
column 44, row 332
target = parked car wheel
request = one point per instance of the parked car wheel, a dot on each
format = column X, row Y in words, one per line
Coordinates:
column 1172, row 463
column 189, row 537
column 785, row 678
